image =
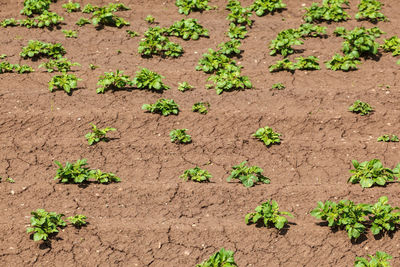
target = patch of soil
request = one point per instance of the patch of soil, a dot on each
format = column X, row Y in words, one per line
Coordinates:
column 153, row 218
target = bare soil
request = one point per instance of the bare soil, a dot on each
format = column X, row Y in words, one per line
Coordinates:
column 153, row 218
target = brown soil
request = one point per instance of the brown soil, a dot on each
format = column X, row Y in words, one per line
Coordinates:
column 153, row 218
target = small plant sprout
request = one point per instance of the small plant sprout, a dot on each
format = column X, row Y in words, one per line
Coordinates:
column 262, row 7
column 72, row 7
column 184, row 87
column 248, row 176
column 61, row 65
column 201, row 107
column 3, row 56
column 147, row 79
column 70, row 33
column 36, row 49
column 64, row 82
column 187, row 29
column 278, row 86
column 92, row 66
column 162, row 106
column 10, row 180
column 197, row 175
column 98, row 135
column 103, row 177
column 45, row 223
column 180, row 136
column 111, row 80
column 380, row 259
column 82, row 21
column 132, row 33
column 187, row 6
column 222, row 258
column 361, row 108
column 268, row 214
column 268, row 136
column 150, row 19
column 388, row 138
column 77, row 220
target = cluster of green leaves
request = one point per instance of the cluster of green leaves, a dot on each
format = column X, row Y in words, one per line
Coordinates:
column 196, row 174
column 370, row 173
column 381, row 259
column 72, row 7
column 7, row 67
column 361, row 108
column 248, row 176
column 344, row 63
column 77, row 173
column 185, row 86
column 105, row 16
column 70, row 33
column 147, row 79
column 230, row 48
column 45, row 223
column 111, row 80
column 330, row 10
column 268, row 136
column 59, row 64
column 239, row 15
column 187, row 6
column 77, row 220
column 353, row 217
column 180, row 136
column 236, row 31
column 187, row 29
column 150, row 19
column 36, row 49
column 162, row 106
column 214, row 61
column 201, row 107
column 64, row 82
column 82, row 21
column 46, row 19
column 89, row 8
column 369, row 10
column 262, row 7
column 132, row 33
column 308, row 63
column 98, row 135
column 222, row 258
column 269, row 215
column 9, row 22
column 156, row 43
column 36, row 6
column 392, row 45
column 387, row 138
column 8, row 179
column 278, row 86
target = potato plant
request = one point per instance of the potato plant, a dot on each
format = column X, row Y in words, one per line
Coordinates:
column 147, row 79
column 308, row 63
column 380, row 259
column 330, row 10
column 59, row 64
column 70, row 33
column 156, row 43
column 132, row 33
column 7, row 67
column 104, row 16
column 37, row 49
column 197, row 175
column 9, row 22
column 187, row 29
column 343, row 63
column 262, row 7
column 98, row 135
column 162, row 106
column 369, row 10
column 64, row 82
column 236, row 31
column 46, row 19
column 187, row 6
column 392, row 45
column 268, row 214
column 230, row 48
column 361, row 108
column 150, row 19
column 282, row 65
column 248, row 176
column 268, row 136
column 201, row 107
column 72, row 7
column 184, row 86
column 78, row 220
column 239, row 15
column 111, row 80
column 222, row 258
column 388, row 138
column 284, row 41
column 35, row 6
column 180, row 136
column 44, row 224
column 229, row 79
column 82, row 21
column 278, row 86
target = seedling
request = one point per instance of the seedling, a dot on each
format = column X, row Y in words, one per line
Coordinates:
column 344, row 63
column 283, row 65
column 284, row 42
column 98, row 135
column 162, row 106
column 89, row 8
column 311, row 30
column 222, row 258
column 180, row 136
column 70, row 33
column 7, row 67
column 187, row 29
column 240, row 15
column 387, row 138
column 104, row 16
column 248, row 176
column 380, row 259
column 213, row 61
column 269, row 215
column 45, row 223
column 268, row 136
column 230, row 48
column 103, row 177
column 36, row 49
column 64, row 82
column 229, row 79
column 155, row 43
column 72, row 7
column 308, row 63
column 47, row 19
column 150, row 19
column 147, row 79
column 392, row 45
column 197, row 175
column 93, row 67
column 278, row 86
column 10, row 180
column 9, row 22
column 78, row 220
column 3, row 56
column 331, row 10
column 132, row 33
column 187, row 6
column 201, row 107
column 111, row 80
column 262, row 7
column 184, row 87
column 370, row 173
column 369, row 10
column 35, row 7
column 82, row 21
column 383, row 216
column 61, row 65
column 237, row 31
column 361, row 108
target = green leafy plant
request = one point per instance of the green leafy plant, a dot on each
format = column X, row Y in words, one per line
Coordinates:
column 9, row 23
column 103, row 177
column 111, row 80
column 132, row 33
column 268, row 136
column 392, row 45
column 64, row 82
column 89, row 8
column 45, row 223
column 284, row 42
column 35, row 7
column 185, row 86
column 229, row 79
column 248, row 176
column 3, row 56
column 387, row 138
column 46, row 19
column 36, row 49
column 98, row 135
column 222, row 258
column 60, row 64
column 369, row 10
column 308, row 63
column 196, row 174
column 370, row 173
column 383, row 216
column 70, row 33
column 7, row 67
column 269, row 215
column 180, row 136
column 213, row 61
column 236, row 31
column 72, row 7
column 10, row 180
column 104, row 16
column 187, row 6
column 201, row 107
column 162, row 106
column 278, row 86
column 156, row 43
column 344, row 63
column 380, row 259
column 311, row 30
column 331, row 10
column 82, row 21
column 187, row 29
column 93, row 67
column 230, row 48
column 77, row 220
column 281, row 65
column 147, row 79
column 262, row 7
column 150, row 19
column 239, row 15
column 361, row 108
